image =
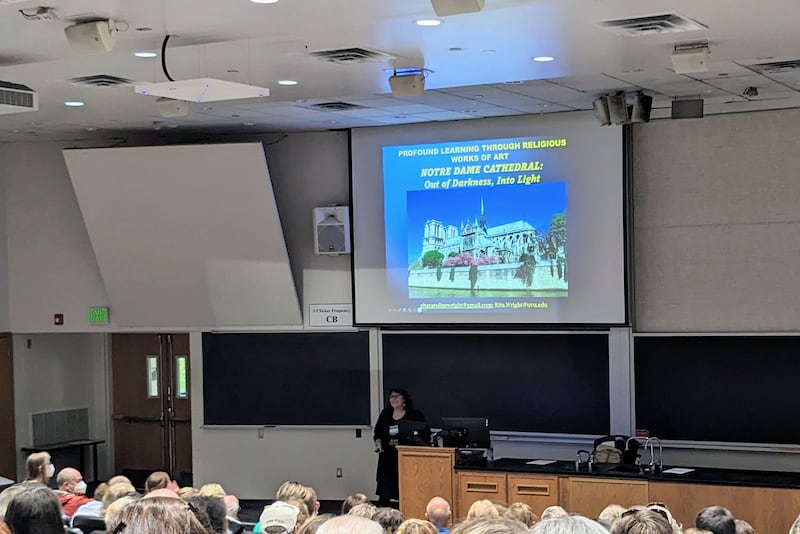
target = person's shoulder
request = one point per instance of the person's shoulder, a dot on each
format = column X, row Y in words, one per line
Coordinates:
column 415, row 415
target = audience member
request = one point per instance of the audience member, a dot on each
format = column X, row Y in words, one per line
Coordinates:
column 743, row 527
column 214, row 509
column 115, row 492
column 161, row 493
column 353, row 500
column 611, row 514
column 212, row 490
column 113, row 509
column 494, row 525
column 523, row 513
column 302, row 514
column 645, row 521
column 4, row 528
column 568, row 524
column 38, row 468
column 7, row 495
column 159, row 480
column 35, row 510
column 365, row 510
column 552, row 512
column 165, row 516
column 231, row 503
column 716, row 519
column 482, row 507
column 696, row 531
column 71, row 491
column 96, row 506
column 307, row 494
column 795, row 529
column 312, row 525
column 119, row 479
column 388, row 518
column 349, row 524
column 187, row 491
column 438, row 512
column 279, row 518
column 416, row 526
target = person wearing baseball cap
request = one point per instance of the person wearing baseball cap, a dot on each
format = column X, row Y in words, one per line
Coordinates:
column 279, row 518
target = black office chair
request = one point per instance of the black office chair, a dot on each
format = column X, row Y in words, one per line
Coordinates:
column 86, row 523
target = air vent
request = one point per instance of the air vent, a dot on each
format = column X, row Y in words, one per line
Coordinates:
column 651, row 25
column 351, row 55
column 17, row 98
column 335, row 106
column 777, row 67
column 100, row 80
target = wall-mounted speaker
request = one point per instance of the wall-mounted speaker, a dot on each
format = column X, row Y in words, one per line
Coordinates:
column 642, row 106
column 332, row 230
column 687, row 109
column 96, row 37
column 618, row 111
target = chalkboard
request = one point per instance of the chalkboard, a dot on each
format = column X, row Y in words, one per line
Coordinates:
column 303, row 379
column 554, row 383
column 718, row 388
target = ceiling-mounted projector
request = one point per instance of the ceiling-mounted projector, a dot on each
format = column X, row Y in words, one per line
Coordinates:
column 407, row 85
column 96, row 37
column 202, row 90
column 17, row 98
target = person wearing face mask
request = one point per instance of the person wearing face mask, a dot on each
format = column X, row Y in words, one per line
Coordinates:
column 71, row 491
column 38, row 468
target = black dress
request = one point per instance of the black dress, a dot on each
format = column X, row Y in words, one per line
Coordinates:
column 386, row 430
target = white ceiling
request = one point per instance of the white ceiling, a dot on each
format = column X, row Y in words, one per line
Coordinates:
column 472, row 59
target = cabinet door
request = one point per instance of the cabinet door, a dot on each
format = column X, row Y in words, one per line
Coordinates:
column 588, row 496
column 536, row 491
column 475, row 486
column 766, row 509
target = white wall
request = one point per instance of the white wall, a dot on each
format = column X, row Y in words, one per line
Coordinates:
column 61, row 372
column 51, row 265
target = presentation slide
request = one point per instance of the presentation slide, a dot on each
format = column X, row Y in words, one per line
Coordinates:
column 488, row 230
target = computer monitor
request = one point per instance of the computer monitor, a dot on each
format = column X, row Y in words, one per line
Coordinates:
column 414, row 433
column 466, row 432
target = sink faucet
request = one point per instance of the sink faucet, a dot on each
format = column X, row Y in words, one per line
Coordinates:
column 653, row 466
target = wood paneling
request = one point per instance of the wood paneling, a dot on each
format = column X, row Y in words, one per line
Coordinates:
column 477, row 485
column 588, row 496
column 424, row 473
column 537, row 491
column 768, row 510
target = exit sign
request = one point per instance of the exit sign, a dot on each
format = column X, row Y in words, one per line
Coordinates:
column 98, row 315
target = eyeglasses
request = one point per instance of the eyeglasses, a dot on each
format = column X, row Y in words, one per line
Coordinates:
column 661, row 511
column 395, row 396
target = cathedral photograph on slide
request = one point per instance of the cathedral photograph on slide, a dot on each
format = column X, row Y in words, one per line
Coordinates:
column 508, row 241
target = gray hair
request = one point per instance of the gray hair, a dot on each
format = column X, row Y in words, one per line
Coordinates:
column 7, row 495
column 350, row 524
column 365, row 510
column 487, row 524
column 552, row 512
column 795, row 526
column 571, row 524
column 643, row 522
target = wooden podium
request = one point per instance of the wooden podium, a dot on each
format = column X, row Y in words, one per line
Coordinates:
column 424, row 473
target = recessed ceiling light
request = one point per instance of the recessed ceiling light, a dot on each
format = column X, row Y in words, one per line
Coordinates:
column 249, row 123
column 287, row 82
column 456, row 49
column 145, row 54
column 74, row 104
column 144, row 29
column 91, row 129
column 544, row 59
column 513, row 82
column 427, row 22
column 264, row 1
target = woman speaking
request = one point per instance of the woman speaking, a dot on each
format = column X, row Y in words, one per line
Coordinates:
column 387, row 436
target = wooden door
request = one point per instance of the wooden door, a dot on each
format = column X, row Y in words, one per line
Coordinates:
column 537, row 491
column 476, row 486
column 8, row 448
column 152, row 406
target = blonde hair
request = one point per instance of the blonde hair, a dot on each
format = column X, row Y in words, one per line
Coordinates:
column 523, row 513
column 302, row 511
column 115, row 492
column 481, row 508
column 156, row 480
column 291, row 489
column 114, row 508
column 212, row 490
column 416, row 526
column 311, row 526
column 187, row 491
column 365, row 510
column 611, row 513
column 165, row 516
column 36, row 467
